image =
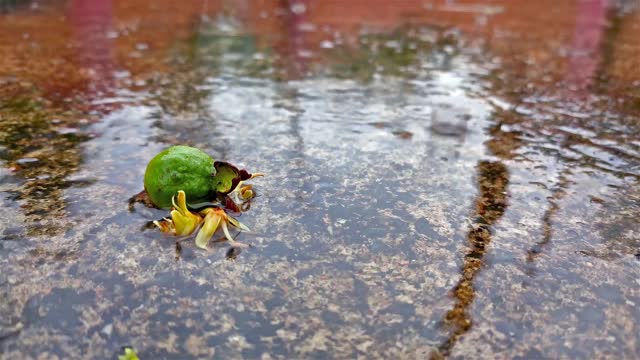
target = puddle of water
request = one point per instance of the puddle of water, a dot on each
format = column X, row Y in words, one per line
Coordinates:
column 428, row 193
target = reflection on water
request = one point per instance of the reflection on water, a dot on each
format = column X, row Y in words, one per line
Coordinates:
column 44, row 152
column 444, row 179
column 558, row 192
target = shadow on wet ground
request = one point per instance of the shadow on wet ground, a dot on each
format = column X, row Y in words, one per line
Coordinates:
column 444, row 179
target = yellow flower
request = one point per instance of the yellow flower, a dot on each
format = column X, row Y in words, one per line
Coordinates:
column 242, row 193
column 182, row 222
column 214, row 217
column 246, row 192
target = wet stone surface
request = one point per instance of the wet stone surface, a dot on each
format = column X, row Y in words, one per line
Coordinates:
column 426, row 194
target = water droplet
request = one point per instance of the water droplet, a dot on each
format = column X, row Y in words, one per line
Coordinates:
column 305, row 53
column 326, row 44
column 298, row 8
column 66, row 130
column 26, row 161
column 121, row 74
column 307, row 27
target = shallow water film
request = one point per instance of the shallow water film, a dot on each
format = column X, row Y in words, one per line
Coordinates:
column 444, row 179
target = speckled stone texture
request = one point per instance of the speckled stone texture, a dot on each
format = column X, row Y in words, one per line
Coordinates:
column 418, row 205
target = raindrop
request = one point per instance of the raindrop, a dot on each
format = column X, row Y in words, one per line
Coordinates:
column 298, row 8
column 66, row 131
column 305, row 53
column 307, row 27
column 392, row 44
column 26, row 161
column 326, row 44
column 121, row 74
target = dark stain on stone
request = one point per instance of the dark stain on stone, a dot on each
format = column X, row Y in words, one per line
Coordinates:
column 491, row 203
column 178, row 251
column 58, row 309
column 12, row 233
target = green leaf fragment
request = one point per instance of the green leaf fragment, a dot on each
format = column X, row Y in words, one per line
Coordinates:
column 227, row 177
column 129, row 354
column 211, row 222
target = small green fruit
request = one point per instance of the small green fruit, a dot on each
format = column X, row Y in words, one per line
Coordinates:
column 179, row 168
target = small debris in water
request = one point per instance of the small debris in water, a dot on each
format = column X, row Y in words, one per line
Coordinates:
column 403, row 134
column 233, row 253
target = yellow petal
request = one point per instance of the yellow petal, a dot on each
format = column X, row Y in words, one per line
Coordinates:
column 236, row 223
column 246, row 192
column 185, row 222
column 230, row 239
column 211, row 222
column 226, row 231
column 181, row 206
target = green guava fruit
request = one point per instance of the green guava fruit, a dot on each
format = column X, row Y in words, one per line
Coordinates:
column 179, row 168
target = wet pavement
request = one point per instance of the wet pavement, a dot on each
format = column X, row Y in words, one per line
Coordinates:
column 444, row 179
